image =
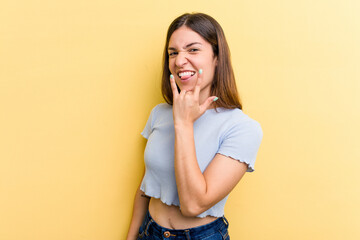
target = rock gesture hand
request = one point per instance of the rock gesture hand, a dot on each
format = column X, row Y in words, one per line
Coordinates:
column 186, row 105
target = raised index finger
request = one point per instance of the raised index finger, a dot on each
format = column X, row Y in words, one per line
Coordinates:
column 198, row 84
column 173, row 86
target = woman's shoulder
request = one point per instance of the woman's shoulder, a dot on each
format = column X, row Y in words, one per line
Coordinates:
column 160, row 112
column 235, row 115
column 237, row 118
column 161, row 108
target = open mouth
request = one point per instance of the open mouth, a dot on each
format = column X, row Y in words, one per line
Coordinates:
column 186, row 75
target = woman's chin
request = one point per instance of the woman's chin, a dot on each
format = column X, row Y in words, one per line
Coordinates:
column 188, row 88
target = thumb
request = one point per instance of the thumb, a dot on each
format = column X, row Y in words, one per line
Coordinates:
column 207, row 103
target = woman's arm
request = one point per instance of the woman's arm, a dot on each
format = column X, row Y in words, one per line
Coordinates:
column 198, row 191
column 141, row 204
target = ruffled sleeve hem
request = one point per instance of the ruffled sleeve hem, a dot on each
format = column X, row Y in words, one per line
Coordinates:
column 248, row 163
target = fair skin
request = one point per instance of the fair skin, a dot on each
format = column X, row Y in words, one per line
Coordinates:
column 188, row 53
column 141, row 205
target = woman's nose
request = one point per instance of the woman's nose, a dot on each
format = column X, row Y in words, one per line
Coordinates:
column 181, row 59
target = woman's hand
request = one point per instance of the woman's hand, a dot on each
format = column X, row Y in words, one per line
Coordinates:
column 186, row 105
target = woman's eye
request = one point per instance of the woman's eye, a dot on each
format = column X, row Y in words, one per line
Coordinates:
column 172, row 54
column 193, row 50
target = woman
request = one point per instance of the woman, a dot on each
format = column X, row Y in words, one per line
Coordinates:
column 200, row 143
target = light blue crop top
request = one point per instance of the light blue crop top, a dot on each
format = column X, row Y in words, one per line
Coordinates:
column 228, row 131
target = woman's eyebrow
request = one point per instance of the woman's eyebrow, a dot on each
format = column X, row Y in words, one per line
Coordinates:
column 187, row 46
column 190, row 44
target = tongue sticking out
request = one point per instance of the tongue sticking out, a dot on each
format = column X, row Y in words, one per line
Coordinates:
column 185, row 77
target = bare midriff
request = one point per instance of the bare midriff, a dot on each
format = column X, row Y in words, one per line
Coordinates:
column 171, row 217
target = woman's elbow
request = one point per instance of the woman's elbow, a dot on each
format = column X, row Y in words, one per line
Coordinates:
column 191, row 211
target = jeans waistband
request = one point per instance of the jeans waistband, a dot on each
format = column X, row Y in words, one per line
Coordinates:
column 153, row 228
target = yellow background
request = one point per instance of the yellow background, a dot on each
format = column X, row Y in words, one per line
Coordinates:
column 78, row 80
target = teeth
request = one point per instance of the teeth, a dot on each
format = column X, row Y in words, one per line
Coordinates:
column 186, row 74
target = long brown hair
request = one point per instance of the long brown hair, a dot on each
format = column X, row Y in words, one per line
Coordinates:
column 223, row 85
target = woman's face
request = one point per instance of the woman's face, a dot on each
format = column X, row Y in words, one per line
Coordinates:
column 188, row 53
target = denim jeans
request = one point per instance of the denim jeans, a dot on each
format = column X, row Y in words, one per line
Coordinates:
column 216, row 230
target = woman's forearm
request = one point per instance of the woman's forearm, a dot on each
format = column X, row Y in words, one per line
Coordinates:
column 141, row 204
column 190, row 181
column 188, row 106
